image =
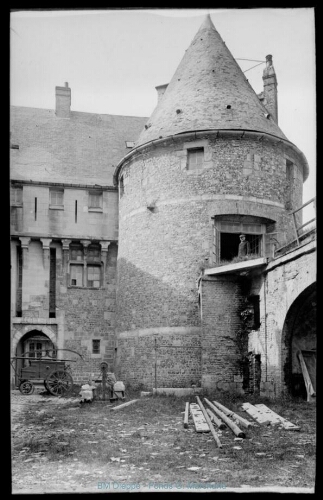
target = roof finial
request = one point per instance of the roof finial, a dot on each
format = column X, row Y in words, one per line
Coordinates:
column 207, row 23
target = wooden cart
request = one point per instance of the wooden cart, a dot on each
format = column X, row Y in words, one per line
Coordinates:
column 47, row 369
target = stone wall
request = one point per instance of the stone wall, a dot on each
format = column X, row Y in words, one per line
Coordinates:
column 160, row 357
column 282, row 293
column 166, row 229
column 50, row 221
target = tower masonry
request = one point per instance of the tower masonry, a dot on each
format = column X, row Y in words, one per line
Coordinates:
column 211, row 163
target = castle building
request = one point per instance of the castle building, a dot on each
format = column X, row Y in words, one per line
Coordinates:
column 125, row 234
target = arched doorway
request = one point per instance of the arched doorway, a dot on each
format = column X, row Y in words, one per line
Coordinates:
column 299, row 334
column 33, row 345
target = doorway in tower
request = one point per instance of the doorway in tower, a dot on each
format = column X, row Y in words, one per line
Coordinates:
column 33, row 345
column 226, row 238
column 299, row 345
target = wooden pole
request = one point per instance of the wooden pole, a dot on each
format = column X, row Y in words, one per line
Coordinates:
column 187, row 405
column 238, row 432
column 233, row 415
column 216, row 420
column 124, row 404
column 207, row 418
column 308, row 383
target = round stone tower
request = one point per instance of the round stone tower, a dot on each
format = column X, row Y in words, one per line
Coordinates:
column 210, row 164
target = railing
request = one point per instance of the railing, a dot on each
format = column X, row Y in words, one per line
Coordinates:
column 300, row 234
column 298, row 228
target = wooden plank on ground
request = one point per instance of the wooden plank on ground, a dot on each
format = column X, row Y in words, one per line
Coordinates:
column 187, row 405
column 200, row 423
column 255, row 413
column 124, row 405
column 274, row 418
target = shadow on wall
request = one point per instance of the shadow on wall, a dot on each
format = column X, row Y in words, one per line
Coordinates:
column 299, row 333
column 159, row 322
column 144, row 301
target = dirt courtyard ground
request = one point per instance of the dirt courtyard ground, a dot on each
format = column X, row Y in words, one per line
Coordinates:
column 59, row 445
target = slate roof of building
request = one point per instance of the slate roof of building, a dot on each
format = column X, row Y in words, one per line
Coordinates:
column 207, row 80
column 82, row 149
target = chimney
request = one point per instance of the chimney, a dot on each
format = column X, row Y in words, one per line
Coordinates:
column 270, row 88
column 161, row 89
column 63, row 101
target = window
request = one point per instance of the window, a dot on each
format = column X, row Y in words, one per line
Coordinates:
column 56, row 197
column 85, row 266
column 95, row 199
column 76, row 272
column 94, row 253
column 195, row 158
column 76, row 252
column 96, row 346
column 94, row 276
column 226, row 240
column 16, row 196
column 255, row 302
column 35, row 349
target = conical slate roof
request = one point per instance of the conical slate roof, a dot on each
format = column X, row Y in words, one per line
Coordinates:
column 208, row 80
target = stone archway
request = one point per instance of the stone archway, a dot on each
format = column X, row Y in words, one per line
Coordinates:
column 299, row 333
column 28, row 328
column 33, row 336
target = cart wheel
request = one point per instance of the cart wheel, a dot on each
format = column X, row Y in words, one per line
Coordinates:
column 26, row 388
column 59, row 383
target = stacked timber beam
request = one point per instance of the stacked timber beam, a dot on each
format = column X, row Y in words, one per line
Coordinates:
column 223, row 417
column 208, row 420
column 230, row 423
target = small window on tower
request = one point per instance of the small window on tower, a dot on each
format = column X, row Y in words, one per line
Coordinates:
column 195, row 158
column 95, row 346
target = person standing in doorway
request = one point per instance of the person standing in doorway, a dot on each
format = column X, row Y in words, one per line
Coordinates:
column 244, row 246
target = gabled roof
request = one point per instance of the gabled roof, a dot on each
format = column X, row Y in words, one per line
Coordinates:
column 81, row 149
column 206, row 82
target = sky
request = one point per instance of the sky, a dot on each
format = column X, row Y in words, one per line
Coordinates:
column 113, row 59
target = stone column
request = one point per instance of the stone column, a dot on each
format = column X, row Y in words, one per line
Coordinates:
column 46, row 262
column 66, row 256
column 85, row 244
column 25, row 250
column 104, row 251
column 46, row 252
column 25, row 261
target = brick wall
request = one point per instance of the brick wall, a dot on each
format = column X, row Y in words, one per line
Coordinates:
column 221, row 301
